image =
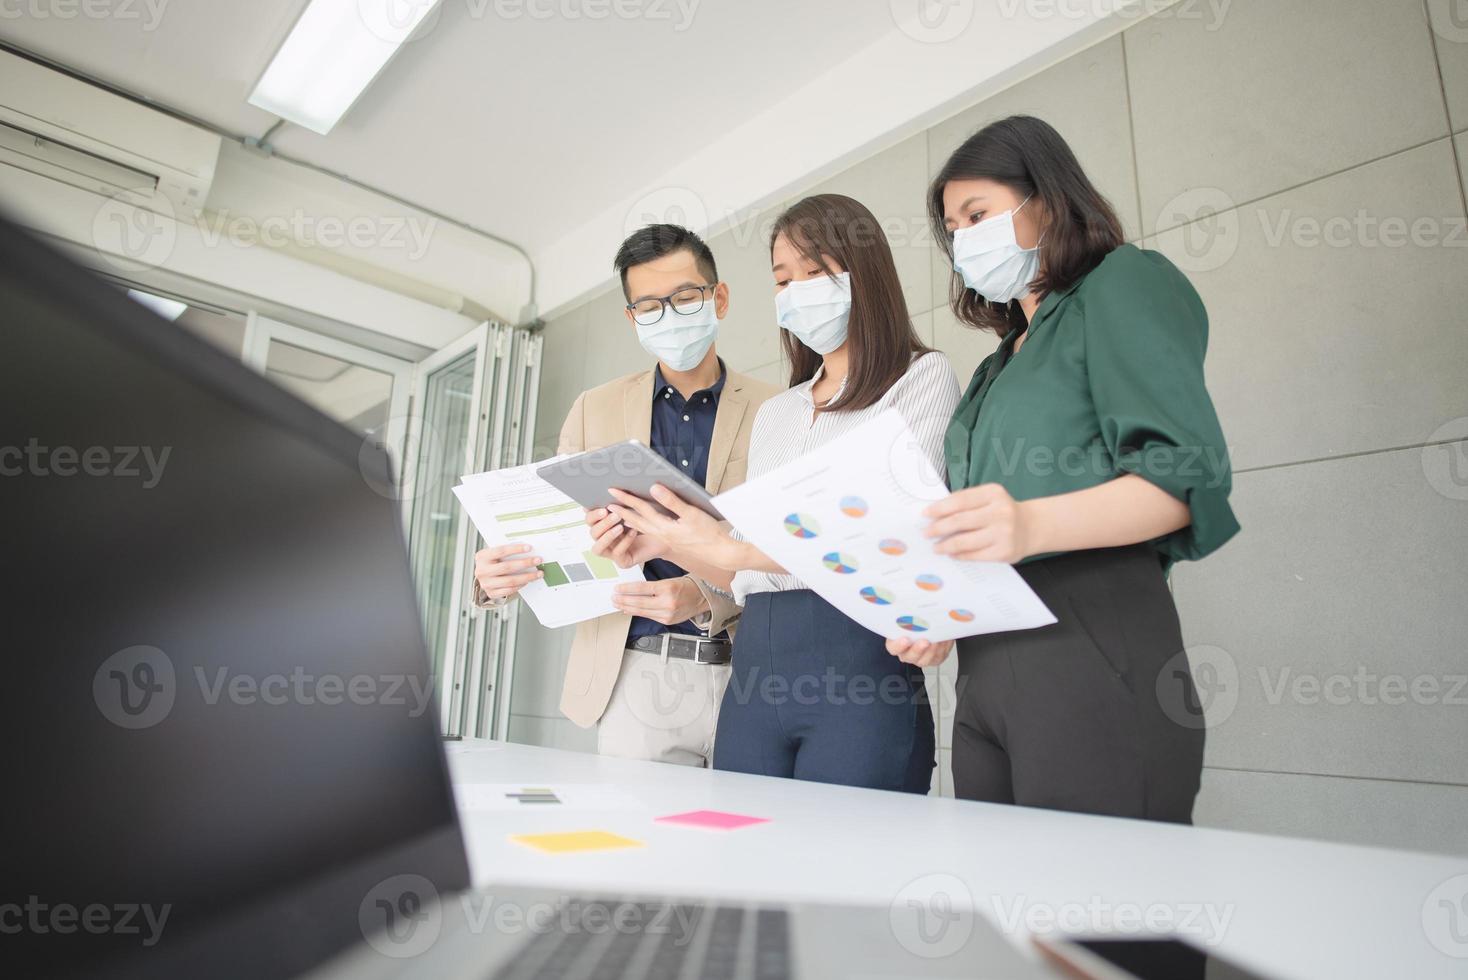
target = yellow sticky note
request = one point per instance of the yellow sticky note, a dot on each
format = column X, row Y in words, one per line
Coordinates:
column 578, row 840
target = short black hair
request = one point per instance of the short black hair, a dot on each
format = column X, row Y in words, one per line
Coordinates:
column 655, row 241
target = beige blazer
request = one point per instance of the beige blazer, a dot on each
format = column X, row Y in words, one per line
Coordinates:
column 614, row 412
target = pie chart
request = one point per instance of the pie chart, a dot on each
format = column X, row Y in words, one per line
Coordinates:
column 929, row 583
column 853, row 507
column 961, row 615
column 802, row 525
column 892, row 546
column 840, row 563
column 913, row 624
column 877, row 595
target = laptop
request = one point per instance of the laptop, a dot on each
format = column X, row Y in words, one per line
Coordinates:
column 225, row 753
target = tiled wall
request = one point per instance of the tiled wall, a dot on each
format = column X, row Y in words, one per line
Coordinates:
column 1297, row 159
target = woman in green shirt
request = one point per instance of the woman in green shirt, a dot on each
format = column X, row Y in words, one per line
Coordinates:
column 1086, row 451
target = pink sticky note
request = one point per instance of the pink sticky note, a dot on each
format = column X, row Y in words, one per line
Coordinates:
column 712, row 820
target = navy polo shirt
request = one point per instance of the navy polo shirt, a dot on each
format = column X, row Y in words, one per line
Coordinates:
column 682, row 431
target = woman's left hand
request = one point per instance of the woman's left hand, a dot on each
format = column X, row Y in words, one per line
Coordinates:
column 689, row 530
column 982, row 523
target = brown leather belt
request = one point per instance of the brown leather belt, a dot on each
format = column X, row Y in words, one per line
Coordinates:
column 681, row 646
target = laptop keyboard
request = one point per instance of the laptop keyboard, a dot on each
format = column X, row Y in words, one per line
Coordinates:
column 592, row 939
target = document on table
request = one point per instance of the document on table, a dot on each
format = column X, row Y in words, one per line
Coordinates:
column 846, row 519
column 515, row 506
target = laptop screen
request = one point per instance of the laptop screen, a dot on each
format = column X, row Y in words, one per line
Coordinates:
column 223, row 715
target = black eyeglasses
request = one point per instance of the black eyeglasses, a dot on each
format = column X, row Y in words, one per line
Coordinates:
column 685, row 302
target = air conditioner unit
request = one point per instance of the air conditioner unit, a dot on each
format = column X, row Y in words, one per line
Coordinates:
column 63, row 128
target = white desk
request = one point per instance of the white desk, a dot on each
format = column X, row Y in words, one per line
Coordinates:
column 1295, row 908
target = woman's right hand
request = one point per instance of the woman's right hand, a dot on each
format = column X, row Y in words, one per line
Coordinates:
column 919, row 653
column 612, row 538
column 504, row 569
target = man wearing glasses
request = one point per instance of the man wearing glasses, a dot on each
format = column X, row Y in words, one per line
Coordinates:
column 651, row 676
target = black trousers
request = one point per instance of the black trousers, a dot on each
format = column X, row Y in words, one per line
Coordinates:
column 1095, row 713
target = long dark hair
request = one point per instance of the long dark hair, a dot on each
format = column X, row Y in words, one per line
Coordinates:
column 880, row 336
column 1029, row 157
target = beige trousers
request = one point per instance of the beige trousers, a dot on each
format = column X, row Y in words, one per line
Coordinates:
column 663, row 711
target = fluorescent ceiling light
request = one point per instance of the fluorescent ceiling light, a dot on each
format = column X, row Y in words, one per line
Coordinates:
column 332, row 54
column 169, row 309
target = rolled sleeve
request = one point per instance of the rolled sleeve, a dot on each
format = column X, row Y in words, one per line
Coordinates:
column 1146, row 333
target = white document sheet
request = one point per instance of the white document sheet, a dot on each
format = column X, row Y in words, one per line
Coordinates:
column 846, row 519
column 515, row 506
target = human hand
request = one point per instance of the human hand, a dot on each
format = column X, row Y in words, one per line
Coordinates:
column 982, row 523
column 502, row 570
column 689, row 530
column 919, row 653
column 667, row 601
column 612, row 538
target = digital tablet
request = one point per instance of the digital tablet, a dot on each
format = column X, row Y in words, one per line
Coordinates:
column 628, row 466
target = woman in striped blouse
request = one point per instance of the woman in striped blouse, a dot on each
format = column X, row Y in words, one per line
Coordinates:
column 813, row 695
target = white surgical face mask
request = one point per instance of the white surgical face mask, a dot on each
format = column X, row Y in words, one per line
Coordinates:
column 988, row 257
column 681, row 340
column 816, row 311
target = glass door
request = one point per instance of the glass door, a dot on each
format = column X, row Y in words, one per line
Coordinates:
column 365, row 391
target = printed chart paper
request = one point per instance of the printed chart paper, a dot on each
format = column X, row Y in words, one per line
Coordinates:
column 846, row 519
column 515, row 506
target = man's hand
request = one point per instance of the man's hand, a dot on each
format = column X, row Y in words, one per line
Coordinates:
column 611, row 538
column 504, row 569
column 669, row 601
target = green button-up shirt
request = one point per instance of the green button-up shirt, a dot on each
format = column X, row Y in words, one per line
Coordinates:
column 1108, row 382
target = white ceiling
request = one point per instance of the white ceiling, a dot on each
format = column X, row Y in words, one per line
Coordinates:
column 545, row 130
column 516, row 125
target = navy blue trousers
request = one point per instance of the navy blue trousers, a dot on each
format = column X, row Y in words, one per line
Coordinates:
column 812, row 695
